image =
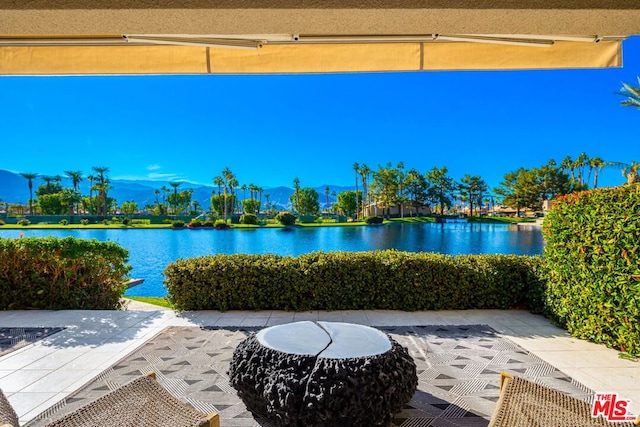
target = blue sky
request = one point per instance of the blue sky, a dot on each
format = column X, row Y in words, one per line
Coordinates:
column 270, row 129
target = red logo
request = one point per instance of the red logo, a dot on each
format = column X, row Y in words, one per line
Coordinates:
column 611, row 408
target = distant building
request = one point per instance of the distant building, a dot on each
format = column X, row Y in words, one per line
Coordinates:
column 396, row 211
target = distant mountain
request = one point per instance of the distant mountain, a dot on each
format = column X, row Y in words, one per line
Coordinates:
column 14, row 189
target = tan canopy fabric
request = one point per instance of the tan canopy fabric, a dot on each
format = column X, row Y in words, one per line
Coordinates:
column 279, row 22
column 311, row 58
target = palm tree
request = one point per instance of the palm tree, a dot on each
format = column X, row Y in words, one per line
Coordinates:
column 326, row 198
column 259, row 190
column 165, row 192
column 175, row 186
column 581, row 161
column 595, row 165
column 400, row 178
column 364, row 172
column 252, row 187
column 157, row 193
column 103, row 184
column 91, row 178
column 244, row 191
column 296, row 187
column 356, row 169
column 567, row 165
column 632, row 93
column 233, row 184
column 227, row 176
column 268, row 205
column 71, row 198
column 30, row 177
column 196, row 206
column 76, row 178
column 219, row 182
column 48, row 180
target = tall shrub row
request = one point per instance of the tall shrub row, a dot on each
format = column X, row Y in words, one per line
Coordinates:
column 593, row 253
column 360, row 280
column 67, row 273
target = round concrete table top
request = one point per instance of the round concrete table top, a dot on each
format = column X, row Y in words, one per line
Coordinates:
column 295, row 338
column 329, row 340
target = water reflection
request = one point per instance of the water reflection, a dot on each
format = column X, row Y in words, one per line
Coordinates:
column 150, row 251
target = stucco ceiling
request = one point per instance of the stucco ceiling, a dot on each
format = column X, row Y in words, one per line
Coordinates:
column 575, row 17
column 86, row 36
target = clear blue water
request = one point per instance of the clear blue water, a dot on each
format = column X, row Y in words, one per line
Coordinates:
column 150, row 251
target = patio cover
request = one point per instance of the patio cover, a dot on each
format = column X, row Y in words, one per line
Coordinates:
column 310, row 36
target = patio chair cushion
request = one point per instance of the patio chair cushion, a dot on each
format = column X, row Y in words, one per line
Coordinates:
column 8, row 417
column 525, row 403
column 140, row 402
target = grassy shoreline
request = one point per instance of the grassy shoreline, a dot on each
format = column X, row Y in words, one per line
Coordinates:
column 405, row 220
column 159, row 301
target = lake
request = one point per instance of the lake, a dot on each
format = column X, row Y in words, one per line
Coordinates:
column 151, row 250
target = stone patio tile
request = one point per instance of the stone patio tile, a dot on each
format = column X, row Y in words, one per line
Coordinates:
column 54, row 382
column 23, row 357
column 306, row 315
column 23, row 403
column 20, row 379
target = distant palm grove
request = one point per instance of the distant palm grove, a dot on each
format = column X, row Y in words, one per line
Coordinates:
column 387, row 190
column 375, row 192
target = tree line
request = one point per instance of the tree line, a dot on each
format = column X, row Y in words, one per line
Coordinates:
column 376, row 191
column 386, row 187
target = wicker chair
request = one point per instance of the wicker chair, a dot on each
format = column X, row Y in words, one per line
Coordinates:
column 140, row 402
column 8, row 417
column 525, row 403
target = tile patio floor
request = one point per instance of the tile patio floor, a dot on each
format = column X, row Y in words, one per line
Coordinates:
column 39, row 375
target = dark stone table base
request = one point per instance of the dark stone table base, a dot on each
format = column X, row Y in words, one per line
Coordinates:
column 305, row 390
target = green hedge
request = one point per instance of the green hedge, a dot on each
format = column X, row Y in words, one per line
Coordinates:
column 67, row 273
column 593, row 252
column 374, row 220
column 356, row 280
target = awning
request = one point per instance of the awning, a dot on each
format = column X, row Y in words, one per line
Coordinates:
column 310, row 36
column 310, row 58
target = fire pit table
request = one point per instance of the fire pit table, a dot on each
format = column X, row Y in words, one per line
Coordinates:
column 323, row 374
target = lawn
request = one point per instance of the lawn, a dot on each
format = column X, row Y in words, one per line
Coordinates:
column 81, row 226
column 159, row 301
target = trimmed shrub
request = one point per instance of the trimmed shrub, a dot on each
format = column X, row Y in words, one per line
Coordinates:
column 220, row 224
column 23, row 222
column 84, row 221
column 178, row 223
column 593, row 252
column 286, row 218
column 64, row 222
column 195, row 223
column 250, row 219
column 374, row 220
column 356, row 280
column 2, row 222
column 126, row 221
column 65, row 273
column 140, row 221
column 207, row 223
